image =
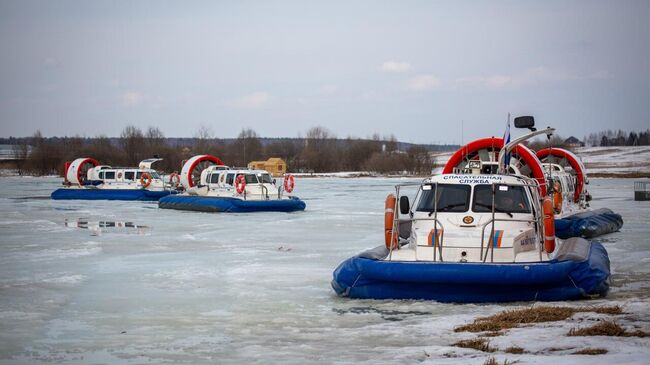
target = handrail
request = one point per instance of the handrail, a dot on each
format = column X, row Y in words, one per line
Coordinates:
column 488, row 247
column 265, row 190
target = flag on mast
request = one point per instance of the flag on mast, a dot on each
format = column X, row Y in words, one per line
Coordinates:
column 506, row 140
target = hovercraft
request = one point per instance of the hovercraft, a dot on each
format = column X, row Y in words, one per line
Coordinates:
column 210, row 186
column 477, row 234
column 87, row 179
column 566, row 177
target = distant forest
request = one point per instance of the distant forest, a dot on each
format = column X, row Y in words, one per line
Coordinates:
column 618, row 138
column 318, row 151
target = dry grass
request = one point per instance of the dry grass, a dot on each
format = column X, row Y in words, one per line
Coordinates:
column 479, row 344
column 590, row 351
column 515, row 350
column 606, row 328
column 493, row 361
column 513, row 318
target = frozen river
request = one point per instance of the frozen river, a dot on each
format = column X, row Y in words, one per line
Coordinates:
column 128, row 283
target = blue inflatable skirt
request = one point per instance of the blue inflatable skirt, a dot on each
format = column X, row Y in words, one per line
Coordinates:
column 368, row 278
column 229, row 205
column 109, row 194
column 588, row 224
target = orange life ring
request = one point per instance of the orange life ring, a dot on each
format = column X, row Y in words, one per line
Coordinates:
column 174, row 179
column 549, row 225
column 145, row 180
column 289, row 183
column 389, row 217
column 240, row 184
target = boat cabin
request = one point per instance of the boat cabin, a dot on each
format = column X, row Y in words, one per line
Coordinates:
column 222, row 181
column 124, row 177
column 473, row 218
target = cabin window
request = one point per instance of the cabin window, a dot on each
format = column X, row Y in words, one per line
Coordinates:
column 265, row 179
column 230, row 178
column 251, row 179
column 101, row 175
column 129, row 175
column 508, row 199
column 214, row 179
column 450, row 198
column 109, row 175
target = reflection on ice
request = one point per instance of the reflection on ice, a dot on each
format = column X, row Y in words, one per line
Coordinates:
column 97, row 227
column 386, row 314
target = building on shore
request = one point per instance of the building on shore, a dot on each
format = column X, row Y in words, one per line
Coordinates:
column 276, row 166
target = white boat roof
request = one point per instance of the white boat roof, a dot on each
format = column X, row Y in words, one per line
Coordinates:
column 470, row 179
column 226, row 169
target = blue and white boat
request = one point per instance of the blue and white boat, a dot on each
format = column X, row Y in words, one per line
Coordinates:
column 87, row 179
column 214, row 187
column 567, row 181
column 477, row 234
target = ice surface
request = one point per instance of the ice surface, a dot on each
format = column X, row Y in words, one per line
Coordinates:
column 255, row 288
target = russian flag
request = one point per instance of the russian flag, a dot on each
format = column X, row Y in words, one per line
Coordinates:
column 506, row 140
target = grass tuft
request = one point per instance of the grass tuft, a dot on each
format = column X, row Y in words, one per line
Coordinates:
column 513, row 318
column 590, row 351
column 515, row 350
column 479, row 344
column 493, row 361
column 606, row 328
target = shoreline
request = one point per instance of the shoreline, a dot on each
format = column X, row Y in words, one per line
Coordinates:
column 367, row 174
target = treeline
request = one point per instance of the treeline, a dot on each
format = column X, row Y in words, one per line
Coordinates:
column 318, row 151
column 618, row 138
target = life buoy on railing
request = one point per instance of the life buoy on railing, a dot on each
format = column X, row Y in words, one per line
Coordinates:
column 289, row 183
column 145, row 180
column 240, row 184
column 389, row 220
column 174, row 179
column 549, row 225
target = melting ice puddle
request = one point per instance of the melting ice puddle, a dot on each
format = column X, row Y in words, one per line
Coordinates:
column 99, row 227
column 388, row 315
column 47, row 197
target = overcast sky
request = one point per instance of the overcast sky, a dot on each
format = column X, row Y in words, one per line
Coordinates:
column 415, row 69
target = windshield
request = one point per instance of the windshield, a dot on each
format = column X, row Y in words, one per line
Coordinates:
column 508, row 199
column 265, row 179
column 451, row 198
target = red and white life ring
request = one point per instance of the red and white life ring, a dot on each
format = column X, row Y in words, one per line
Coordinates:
column 174, row 179
column 240, row 184
column 145, row 180
column 289, row 183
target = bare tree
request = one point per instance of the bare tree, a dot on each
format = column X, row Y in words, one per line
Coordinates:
column 203, row 137
column 21, row 153
column 132, row 141
column 319, row 153
column 247, row 147
column 155, row 141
